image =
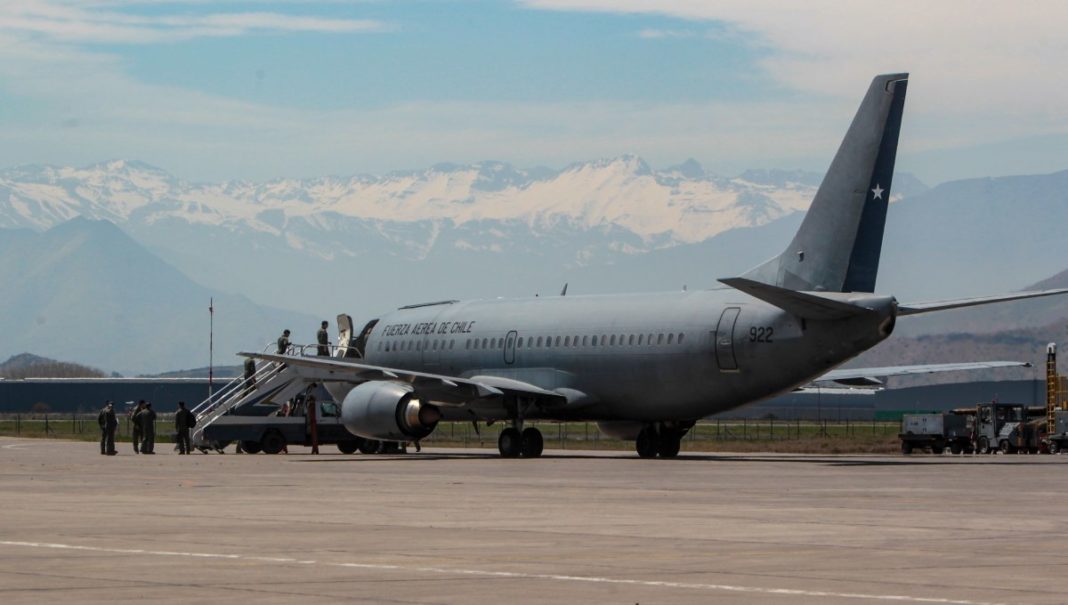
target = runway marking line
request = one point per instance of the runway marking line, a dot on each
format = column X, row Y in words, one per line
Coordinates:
column 506, row 574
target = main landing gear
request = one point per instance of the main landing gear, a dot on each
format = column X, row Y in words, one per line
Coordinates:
column 659, row 440
column 512, row 443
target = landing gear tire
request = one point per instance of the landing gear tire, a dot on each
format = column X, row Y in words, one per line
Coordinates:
column 1054, row 447
column 669, row 446
column 273, row 443
column 510, row 443
column 647, row 444
column 251, row 447
column 956, row 449
column 532, row 443
column 370, row 446
column 938, row 447
column 348, row 447
column 906, row 448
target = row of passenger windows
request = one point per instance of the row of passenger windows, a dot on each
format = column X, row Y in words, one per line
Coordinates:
column 537, row 342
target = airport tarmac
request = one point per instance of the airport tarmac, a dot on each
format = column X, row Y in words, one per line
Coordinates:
column 464, row 526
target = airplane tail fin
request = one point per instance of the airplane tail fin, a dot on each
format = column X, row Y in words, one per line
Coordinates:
column 838, row 245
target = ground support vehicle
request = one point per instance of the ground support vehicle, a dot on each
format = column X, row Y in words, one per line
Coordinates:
column 271, row 434
column 1057, row 441
column 937, row 432
column 1006, row 427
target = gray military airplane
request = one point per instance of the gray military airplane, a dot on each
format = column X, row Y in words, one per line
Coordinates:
column 647, row 366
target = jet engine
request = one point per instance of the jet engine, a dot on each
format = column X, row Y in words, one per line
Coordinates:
column 388, row 411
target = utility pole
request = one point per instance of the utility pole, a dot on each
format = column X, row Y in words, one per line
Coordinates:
column 211, row 344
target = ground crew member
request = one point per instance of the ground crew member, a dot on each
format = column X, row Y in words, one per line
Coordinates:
column 108, row 424
column 148, row 429
column 323, row 338
column 283, row 342
column 183, row 421
column 135, row 426
column 250, row 373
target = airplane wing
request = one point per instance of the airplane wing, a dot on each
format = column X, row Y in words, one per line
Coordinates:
column 871, row 376
column 928, row 307
column 437, row 388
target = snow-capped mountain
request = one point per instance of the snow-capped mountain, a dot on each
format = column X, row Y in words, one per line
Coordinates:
column 660, row 208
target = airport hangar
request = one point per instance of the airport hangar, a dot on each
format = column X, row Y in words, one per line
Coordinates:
column 84, row 395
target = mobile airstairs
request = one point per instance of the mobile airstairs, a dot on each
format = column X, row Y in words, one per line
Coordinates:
column 273, row 382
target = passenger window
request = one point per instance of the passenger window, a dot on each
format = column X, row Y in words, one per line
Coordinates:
column 650, row 339
column 485, row 343
column 557, row 341
column 493, row 343
column 630, row 339
column 451, row 343
column 659, row 339
column 680, row 338
column 612, row 341
column 604, row 340
column 519, row 343
column 583, row 341
column 671, row 338
column 567, row 341
column 639, row 339
column 434, row 345
column 539, row 341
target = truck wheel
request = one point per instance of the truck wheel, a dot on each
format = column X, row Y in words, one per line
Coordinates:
column 273, row 442
column 251, row 447
column 370, row 446
column 1054, row 447
column 955, row 448
column 983, row 446
column 1006, row 447
column 938, row 447
column 348, row 447
column 906, row 448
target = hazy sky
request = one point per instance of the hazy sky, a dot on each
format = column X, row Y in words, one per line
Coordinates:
column 214, row 90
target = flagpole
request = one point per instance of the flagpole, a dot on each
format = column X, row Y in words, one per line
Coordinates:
column 211, row 344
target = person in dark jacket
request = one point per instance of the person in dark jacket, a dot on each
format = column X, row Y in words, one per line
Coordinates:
column 184, row 420
column 323, row 338
column 108, row 424
column 148, row 429
column 283, row 343
column 250, row 374
column 135, row 426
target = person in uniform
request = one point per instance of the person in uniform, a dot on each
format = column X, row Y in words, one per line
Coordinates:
column 108, row 424
column 148, row 429
column 323, row 338
column 184, row 420
column 283, row 342
column 250, row 373
column 135, row 426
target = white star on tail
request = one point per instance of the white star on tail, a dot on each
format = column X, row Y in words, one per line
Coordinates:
column 877, row 192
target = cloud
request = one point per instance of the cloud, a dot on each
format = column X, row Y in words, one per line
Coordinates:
column 654, row 34
column 74, row 21
column 989, row 67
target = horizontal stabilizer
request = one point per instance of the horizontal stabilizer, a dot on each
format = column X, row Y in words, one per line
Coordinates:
column 870, row 376
column 801, row 304
column 928, row 307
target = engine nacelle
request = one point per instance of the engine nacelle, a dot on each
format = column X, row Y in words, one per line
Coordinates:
column 388, row 411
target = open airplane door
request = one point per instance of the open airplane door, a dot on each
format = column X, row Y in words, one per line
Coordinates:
column 344, row 334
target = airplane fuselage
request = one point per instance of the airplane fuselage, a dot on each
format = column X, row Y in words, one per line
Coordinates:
column 640, row 357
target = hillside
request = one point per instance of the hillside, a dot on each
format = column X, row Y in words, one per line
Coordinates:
column 83, row 290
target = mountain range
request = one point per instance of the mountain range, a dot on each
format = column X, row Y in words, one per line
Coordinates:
column 146, row 250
